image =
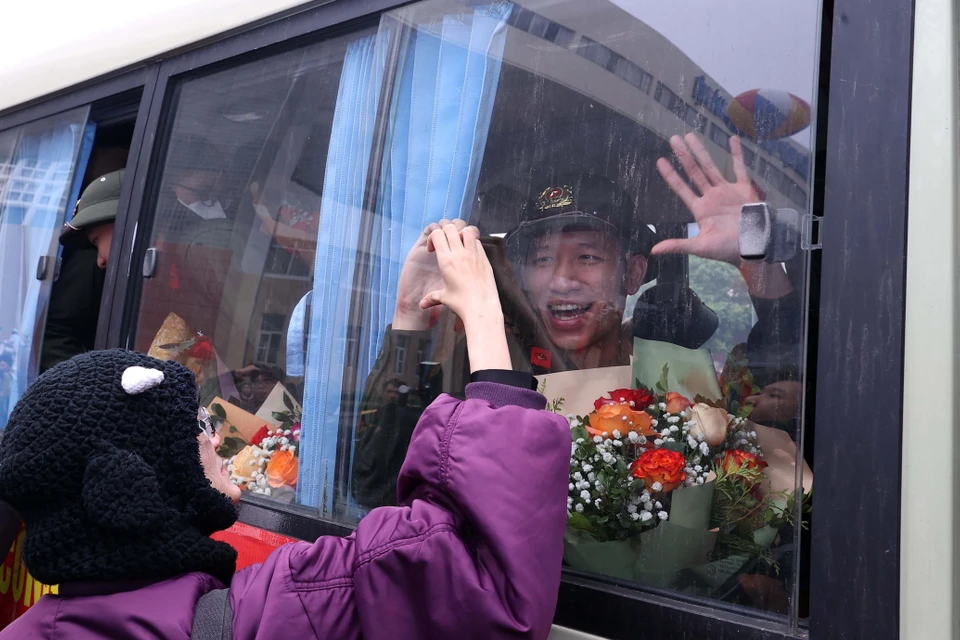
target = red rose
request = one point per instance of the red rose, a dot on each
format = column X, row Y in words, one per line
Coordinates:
column 637, row 398
column 660, row 465
column 201, row 349
column 737, row 459
column 258, row 437
column 676, row 403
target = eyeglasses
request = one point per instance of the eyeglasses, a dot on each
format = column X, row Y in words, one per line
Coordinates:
column 205, row 424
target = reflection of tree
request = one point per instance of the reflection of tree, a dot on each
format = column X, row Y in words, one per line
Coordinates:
column 721, row 288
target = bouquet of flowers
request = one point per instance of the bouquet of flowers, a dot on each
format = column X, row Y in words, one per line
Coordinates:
column 660, row 484
column 176, row 341
column 269, row 462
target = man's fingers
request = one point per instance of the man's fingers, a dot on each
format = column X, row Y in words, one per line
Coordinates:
column 690, row 165
column 703, row 158
column 677, row 184
column 739, row 166
column 675, row 245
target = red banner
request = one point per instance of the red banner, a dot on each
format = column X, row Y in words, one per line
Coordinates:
column 18, row 589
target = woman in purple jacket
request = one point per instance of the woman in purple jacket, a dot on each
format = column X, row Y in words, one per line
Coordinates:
column 101, row 460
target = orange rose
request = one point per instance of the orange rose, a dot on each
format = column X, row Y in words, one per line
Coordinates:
column 282, row 469
column 676, row 403
column 736, row 459
column 621, row 417
column 660, row 465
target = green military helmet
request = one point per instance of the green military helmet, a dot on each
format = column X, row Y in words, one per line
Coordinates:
column 97, row 205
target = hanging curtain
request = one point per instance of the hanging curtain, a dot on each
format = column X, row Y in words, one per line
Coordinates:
column 43, row 183
column 438, row 132
column 439, row 117
column 340, row 212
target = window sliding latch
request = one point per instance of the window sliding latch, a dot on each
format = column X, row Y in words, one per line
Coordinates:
column 43, row 267
column 150, row 263
column 812, row 233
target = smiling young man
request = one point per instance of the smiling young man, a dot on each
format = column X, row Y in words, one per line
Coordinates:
column 580, row 249
column 581, row 252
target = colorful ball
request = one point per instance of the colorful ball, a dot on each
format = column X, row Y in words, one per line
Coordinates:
column 769, row 114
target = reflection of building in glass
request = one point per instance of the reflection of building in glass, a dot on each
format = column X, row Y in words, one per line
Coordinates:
column 32, row 196
column 635, row 71
column 31, row 187
column 270, row 338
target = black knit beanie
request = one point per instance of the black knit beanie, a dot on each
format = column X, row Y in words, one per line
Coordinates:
column 104, row 468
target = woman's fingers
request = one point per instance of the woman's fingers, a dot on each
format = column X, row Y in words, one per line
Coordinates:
column 438, row 242
column 432, row 299
column 433, row 226
column 452, row 232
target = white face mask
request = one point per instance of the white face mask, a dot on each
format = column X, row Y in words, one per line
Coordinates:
column 206, row 211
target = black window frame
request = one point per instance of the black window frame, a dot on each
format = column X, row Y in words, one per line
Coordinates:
column 856, row 316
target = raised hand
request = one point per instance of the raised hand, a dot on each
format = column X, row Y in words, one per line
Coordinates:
column 420, row 275
column 470, row 291
column 716, row 208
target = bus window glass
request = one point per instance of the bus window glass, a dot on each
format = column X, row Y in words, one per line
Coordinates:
column 605, row 154
column 237, row 212
column 606, row 171
column 39, row 183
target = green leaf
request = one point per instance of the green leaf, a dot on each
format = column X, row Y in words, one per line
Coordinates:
column 230, row 447
column 233, row 429
column 579, row 522
column 219, row 411
column 662, row 384
column 603, row 479
column 622, row 468
column 280, row 415
column 579, row 432
column 287, row 402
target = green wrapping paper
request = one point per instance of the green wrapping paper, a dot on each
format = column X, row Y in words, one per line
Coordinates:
column 692, row 372
column 656, row 556
column 715, row 574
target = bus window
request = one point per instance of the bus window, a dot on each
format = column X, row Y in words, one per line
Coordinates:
column 74, row 306
column 236, row 220
column 39, row 181
column 605, row 155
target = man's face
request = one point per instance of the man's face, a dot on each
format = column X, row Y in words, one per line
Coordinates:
column 101, row 237
column 391, row 394
column 777, row 402
column 198, row 186
column 575, row 280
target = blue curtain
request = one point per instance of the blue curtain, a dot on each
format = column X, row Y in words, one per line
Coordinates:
column 439, row 118
column 344, row 180
column 438, row 132
column 43, row 184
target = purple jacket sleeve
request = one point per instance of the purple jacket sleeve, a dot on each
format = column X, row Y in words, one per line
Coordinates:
column 474, row 550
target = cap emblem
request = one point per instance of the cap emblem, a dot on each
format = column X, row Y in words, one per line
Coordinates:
column 555, row 197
